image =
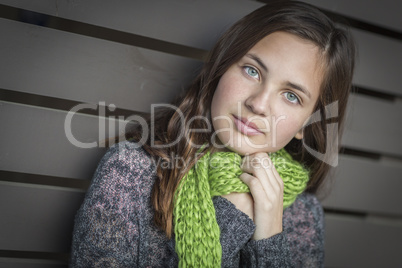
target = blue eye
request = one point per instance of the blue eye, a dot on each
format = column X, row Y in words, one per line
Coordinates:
column 292, row 97
column 252, row 72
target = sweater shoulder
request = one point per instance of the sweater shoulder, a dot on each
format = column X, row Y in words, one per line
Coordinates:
column 125, row 170
column 113, row 227
column 309, row 201
column 308, row 208
column 128, row 155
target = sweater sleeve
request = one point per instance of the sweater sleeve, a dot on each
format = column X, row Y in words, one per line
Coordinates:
column 106, row 231
column 236, row 229
column 301, row 244
column 304, row 229
column 237, row 248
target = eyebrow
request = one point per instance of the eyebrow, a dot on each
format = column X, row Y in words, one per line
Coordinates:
column 289, row 84
column 299, row 87
column 258, row 60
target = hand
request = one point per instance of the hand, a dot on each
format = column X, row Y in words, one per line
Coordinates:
column 266, row 188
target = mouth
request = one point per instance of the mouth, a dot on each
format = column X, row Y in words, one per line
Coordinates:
column 246, row 127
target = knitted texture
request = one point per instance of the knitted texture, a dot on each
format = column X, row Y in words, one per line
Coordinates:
column 196, row 231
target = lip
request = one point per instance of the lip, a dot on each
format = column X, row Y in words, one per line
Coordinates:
column 246, row 127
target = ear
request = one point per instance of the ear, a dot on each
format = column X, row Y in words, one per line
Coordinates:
column 299, row 135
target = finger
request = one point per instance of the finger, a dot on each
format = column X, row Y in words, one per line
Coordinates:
column 264, row 201
column 260, row 166
column 256, row 188
column 276, row 180
column 277, row 176
column 250, row 162
column 255, row 169
column 267, row 181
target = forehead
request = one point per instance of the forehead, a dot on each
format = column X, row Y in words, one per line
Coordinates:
column 289, row 46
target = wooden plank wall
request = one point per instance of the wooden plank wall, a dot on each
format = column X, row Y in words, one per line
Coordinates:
column 126, row 55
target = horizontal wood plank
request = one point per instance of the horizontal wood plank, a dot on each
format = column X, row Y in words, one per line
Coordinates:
column 361, row 242
column 34, row 141
column 35, row 219
column 378, row 57
column 378, row 62
column 383, row 13
column 192, row 23
column 373, row 125
column 57, row 64
column 23, row 263
column 367, row 186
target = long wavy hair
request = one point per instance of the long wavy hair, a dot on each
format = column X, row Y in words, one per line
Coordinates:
column 300, row 19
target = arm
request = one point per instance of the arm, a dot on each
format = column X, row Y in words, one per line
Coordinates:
column 269, row 252
column 238, row 250
column 107, row 226
column 101, row 240
column 236, row 229
column 277, row 239
column 264, row 208
column 301, row 244
column 304, row 229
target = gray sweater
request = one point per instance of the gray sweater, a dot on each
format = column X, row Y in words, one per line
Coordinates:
column 114, row 226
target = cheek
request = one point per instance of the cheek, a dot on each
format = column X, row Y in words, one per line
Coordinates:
column 222, row 96
column 230, row 86
column 288, row 127
column 217, row 106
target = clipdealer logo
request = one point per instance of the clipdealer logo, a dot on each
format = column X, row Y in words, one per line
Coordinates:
column 330, row 156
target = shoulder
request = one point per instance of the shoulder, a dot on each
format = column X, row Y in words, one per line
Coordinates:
column 126, row 168
column 127, row 155
column 307, row 203
column 116, row 211
column 306, row 208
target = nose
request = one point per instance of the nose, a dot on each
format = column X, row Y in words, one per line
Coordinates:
column 258, row 103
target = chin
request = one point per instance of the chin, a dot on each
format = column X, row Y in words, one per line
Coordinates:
column 247, row 150
column 244, row 146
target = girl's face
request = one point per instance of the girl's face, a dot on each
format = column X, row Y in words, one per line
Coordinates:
column 262, row 101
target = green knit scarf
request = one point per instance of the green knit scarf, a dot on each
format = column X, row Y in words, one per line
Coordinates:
column 196, row 230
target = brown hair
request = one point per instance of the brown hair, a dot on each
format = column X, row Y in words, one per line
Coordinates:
column 293, row 17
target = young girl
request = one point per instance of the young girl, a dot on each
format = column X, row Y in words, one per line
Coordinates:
column 200, row 189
